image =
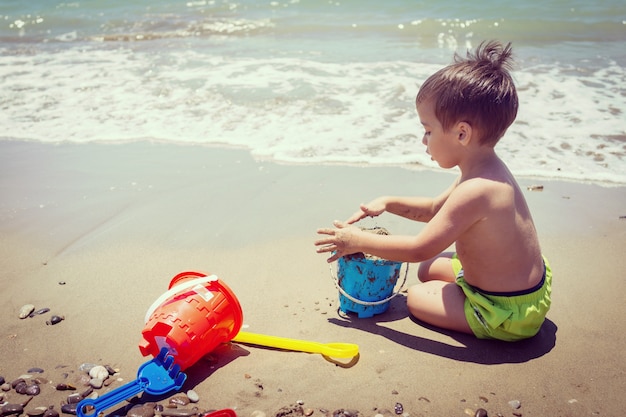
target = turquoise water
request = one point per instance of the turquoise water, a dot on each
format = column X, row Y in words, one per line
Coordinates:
column 312, row 81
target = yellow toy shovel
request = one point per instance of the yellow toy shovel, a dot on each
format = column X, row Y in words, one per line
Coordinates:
column 334, row 350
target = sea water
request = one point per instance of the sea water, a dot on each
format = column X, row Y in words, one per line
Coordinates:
column 312, row 81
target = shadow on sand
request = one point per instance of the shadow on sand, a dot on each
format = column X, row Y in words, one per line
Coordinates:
column 481, row 351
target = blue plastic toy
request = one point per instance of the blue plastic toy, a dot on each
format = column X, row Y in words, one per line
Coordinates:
column 155, row 377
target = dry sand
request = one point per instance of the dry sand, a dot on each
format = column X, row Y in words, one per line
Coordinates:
column 116, row 222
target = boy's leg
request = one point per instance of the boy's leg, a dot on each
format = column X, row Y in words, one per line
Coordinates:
column 437, row 268
column 439, row 303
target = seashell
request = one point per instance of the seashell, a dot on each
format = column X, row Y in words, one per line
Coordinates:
column 99, row 372
column 26, row 310
column 38, row 312
column 33, row 389
column 86, row 367
column 55, row 319
column 193, row 396
column 51, row 412
column 69, row 408
column 9, row 409
column 308, row 412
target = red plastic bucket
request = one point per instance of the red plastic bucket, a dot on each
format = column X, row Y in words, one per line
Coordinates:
column 198, row 313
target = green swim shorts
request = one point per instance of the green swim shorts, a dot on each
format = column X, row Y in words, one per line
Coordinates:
column 505, row 316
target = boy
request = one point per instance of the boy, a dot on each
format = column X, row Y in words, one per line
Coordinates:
column 497, row 284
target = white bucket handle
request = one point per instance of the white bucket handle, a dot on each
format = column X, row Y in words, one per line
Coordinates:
column 368, row 303
column 177, row 289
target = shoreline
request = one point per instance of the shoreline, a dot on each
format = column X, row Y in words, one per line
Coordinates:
column 116, row 223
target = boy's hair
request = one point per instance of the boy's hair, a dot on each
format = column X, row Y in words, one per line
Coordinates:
column 477, row 89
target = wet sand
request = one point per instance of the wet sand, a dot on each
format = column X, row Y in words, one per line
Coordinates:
column 95, row 233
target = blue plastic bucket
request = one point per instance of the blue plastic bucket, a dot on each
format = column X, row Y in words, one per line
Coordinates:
column 366, row 285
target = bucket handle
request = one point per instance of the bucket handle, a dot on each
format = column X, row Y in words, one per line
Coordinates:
column 367, row 303
column 177, row 289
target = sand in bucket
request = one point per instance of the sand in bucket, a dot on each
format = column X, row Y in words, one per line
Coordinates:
column 366, row 283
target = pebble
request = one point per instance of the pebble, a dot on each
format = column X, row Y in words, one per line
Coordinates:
column 39, row 312
column 515, row 404
column 99, row 372
column 65, row 387
column 141, row 410
column 481, row 412
column 193, row 396
column 181, row 399
column 26, row 310
column 96, row 383
column 179, row 412
column 5, row 387
column 51, row 412
column 9, row 409
column 398, row 408
column 69, row 408
column 2, row 380
column 258, row 413
column 36, row 412
column 35, row 371
column 32, row 389
column 54, row 320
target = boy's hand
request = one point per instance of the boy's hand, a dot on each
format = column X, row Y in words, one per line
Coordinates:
column 340, row 240
column 372, row 209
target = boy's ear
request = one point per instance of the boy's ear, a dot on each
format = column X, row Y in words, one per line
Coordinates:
column 464, row 131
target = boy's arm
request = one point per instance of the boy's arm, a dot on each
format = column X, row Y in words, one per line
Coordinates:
column 459, row 211
column 413, row 208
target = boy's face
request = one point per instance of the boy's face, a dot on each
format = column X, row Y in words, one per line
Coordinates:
column 440, row 145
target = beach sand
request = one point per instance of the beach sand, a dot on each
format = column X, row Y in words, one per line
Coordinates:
column 95, row 233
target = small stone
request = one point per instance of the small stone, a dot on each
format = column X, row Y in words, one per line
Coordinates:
column 65, row 387
column 35, row 371
column 69, row 408
column 181, row 399
column 51, row 412
column 193, row 396
column 10, row 409
column 398, row 408
column 142, row 410
column 2, row 380
column 55, row 320
column 33, row 389
column 308, row 412
column 99, row 372
column 515, row 404
column 481, row 412
column 74, row 398
column 36, row 412
column 5, row 387
column 258, row 413
column 26, row 310
column 96, row 383
column 20, row 387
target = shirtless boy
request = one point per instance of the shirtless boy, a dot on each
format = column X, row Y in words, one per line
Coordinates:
column 497, row 284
